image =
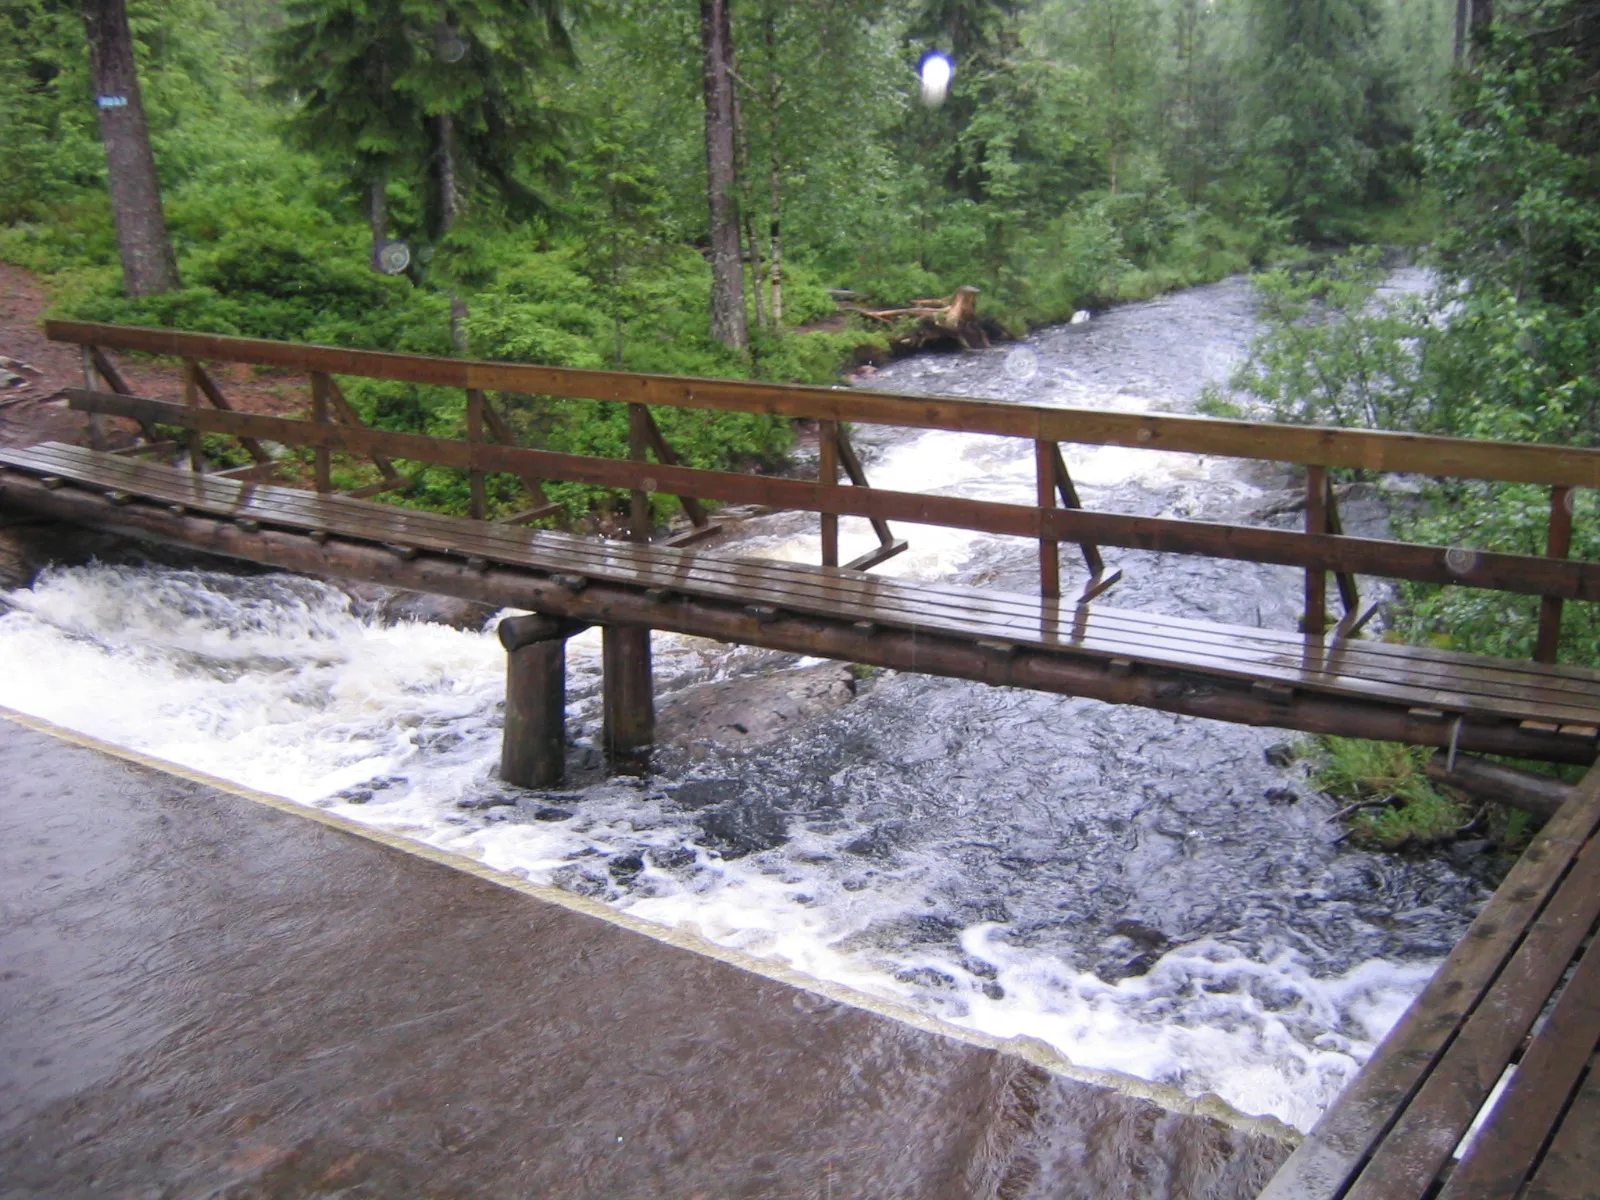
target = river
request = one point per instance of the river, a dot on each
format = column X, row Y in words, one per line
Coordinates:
column 1147, row 893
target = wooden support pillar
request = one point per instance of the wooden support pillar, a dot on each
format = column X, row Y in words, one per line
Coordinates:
column 533, row 748
column 828, row 475
column 1559, row 545
column 629, row 707
column 1049, row 551
column 629, row 697
column 1315, row 622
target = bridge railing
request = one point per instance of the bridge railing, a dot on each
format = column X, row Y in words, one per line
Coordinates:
column 1057, row 515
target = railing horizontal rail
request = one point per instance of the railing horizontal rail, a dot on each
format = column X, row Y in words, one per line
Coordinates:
column 1397, row 560
column 1509, row 462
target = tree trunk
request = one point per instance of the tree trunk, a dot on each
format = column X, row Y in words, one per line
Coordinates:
column 1471, row 15
column 148, row 265
column 777, row 246
column 775, row 176
column 449, row 210
column 727, row 271
column 378, row 219
column 755, row 269
column 748, row 247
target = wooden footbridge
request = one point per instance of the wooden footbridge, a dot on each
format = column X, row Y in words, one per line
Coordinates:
column 1325, row 679
column 1518, row 1004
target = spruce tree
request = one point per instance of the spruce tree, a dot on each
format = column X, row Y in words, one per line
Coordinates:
column 338, row 61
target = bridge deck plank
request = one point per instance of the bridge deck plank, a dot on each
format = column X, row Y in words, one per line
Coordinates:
column 1507, row 1151
column 1572, row 1163
column 1392, row 1132
column 1484, row 688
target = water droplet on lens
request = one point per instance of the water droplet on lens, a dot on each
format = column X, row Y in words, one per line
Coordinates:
column 395, row 257
column 451, row 47
column 1022, row 363
column 1460, row 560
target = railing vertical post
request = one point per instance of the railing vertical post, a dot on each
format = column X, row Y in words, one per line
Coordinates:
column 1049, row 551
column 1316, row 618
column 191, row 397
column 638, row 446
column 1558, row 545
column 97, row 422
column 479, row 501
column 828, row 476
column 322, row 457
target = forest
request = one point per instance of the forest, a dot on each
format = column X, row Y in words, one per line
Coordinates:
column 712, row 189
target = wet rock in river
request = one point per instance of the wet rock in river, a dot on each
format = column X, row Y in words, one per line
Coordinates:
column 702, row 793
column 625, row 868
column 1280, row 755
column 1141, row 934
column 878, row 842
column 486, row 800
column 392, row 606
column 671, row 858
column 746, row 828
column 744, row 714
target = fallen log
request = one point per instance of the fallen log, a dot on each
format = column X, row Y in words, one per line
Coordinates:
column 945, row 317
column 1536, row 794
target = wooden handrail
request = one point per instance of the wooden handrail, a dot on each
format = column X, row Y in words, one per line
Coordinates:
column 1466, row 458
column 1546, row 576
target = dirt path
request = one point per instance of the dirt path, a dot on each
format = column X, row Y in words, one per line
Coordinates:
column 37, row 413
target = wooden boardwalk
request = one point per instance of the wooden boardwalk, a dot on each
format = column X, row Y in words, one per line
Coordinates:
column 1518, row 1001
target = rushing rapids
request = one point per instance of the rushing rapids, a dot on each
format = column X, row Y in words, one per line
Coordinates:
column 1146, row 893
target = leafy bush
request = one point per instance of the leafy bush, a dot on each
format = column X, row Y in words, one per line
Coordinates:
column 1334, row 353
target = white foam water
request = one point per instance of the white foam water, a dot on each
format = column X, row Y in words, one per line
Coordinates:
column 277, row 684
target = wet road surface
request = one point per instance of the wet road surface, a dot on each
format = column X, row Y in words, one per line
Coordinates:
column 204, row 995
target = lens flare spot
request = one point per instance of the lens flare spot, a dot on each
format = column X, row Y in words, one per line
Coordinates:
column 936, row 71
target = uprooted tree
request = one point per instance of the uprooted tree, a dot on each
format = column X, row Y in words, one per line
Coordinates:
column 946, row 318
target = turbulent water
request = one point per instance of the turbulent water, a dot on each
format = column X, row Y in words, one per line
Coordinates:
column 1144, row 892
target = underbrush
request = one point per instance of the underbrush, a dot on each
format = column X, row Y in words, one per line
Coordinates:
column 1391, row 804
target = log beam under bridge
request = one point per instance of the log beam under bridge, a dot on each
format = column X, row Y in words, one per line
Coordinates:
column 1195, row 688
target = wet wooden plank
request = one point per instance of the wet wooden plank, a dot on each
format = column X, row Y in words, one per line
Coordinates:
column 1419, row 1145
column 1571, row 1166
column 1107, row 632
column 1506, row 1151
column 1352, row 1131
column 1370, row 450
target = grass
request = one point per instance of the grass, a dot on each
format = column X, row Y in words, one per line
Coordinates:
column 1402, row 808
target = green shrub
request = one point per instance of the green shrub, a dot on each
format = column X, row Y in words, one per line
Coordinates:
column 1403, row 807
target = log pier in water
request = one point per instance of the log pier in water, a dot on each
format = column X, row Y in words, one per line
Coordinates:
column 534, row 744
column 630, row 711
